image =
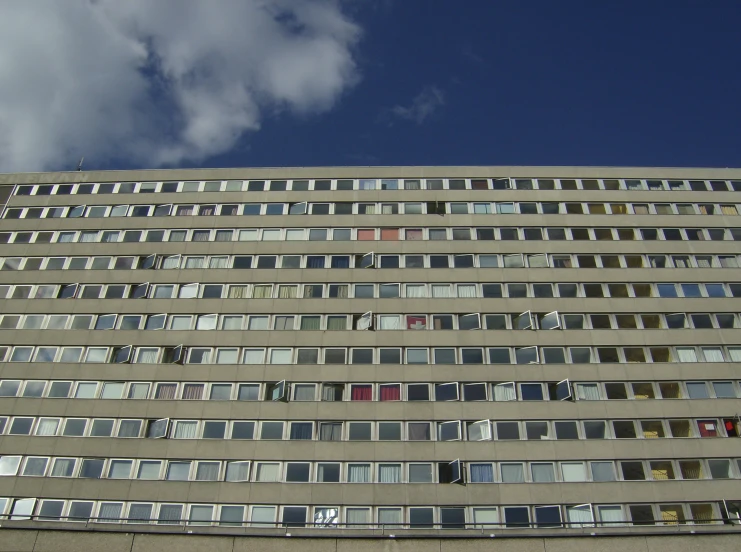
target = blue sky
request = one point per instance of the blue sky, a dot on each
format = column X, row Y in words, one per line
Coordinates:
column 420, row 82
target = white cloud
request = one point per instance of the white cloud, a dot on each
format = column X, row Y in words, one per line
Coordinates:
column 423, row 105
column 161, row 82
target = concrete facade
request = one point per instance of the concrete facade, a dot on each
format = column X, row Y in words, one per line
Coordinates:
column 685, row 478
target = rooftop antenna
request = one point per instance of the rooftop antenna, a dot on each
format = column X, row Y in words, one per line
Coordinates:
column 79, row 165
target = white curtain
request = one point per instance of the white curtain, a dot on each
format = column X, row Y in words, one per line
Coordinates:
column 389, row 209
column 543, row 473
column 579, row 516
column 389, row 473
column 88, row 237
column 485, row 518
column 466, row 290
column 262, row 292
column 47, row 427
column 389, row 515
column 171, row 262
column 416, row 290
column 573, row 471
column 194, row 262
column 267, row 472
column 504, row 392
column 147, row 356
column 207, row 471
column 358, row 473
column 110, row 511
column 287, row 292
column 186, row 430
column 735, row 354
column 218, row 262
column 611, row 514
column 686, row 354
column 357, row 517
column 712, row 354
column 728, row 262
column 386, row 322
column 512, row 473
column 441, row 291
column 238, row 292
column 237, row 471
column 587, row 391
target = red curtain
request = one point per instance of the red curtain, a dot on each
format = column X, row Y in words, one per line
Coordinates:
column 390, row 393
column 361, row 393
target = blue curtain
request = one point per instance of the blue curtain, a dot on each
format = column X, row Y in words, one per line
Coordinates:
column 481, row 473
column 340, row 262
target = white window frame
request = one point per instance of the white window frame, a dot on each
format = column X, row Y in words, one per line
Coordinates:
column 440, row 426
column 365, row 322
column 558, row 321
column 478, row 318
column 487, row 435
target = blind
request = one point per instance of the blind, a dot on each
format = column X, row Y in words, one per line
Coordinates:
column 166, row 391
column 193, row 391
column 140, row 513
column 109, row 511
column 147, row 356
column 485, row 518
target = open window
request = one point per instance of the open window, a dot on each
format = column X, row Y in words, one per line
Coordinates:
column 560, row 391
column 449, row 431
column 68, row 291
column 446, row 391
column 170, row 262
column 121, row 355
column 279, row 391
column 470, row 321
column 537, row 260
column 479, row 431
column 505, row 391
column 365, row 261
column 364, row 321
column 326, row 517
column 163, row 210
column 174, row 355
column 550, row 321
column 501, row 183
column 147, row 263
column 297, row 208
column 731, row 512
column 733, row 426
column 527, row 355
column 523, row 321
column 157, row 429
column 579, row 516
column 435, row 207
column 450, row 472
column 139, row 291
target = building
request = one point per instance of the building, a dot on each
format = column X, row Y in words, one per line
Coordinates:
column 466, row 351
